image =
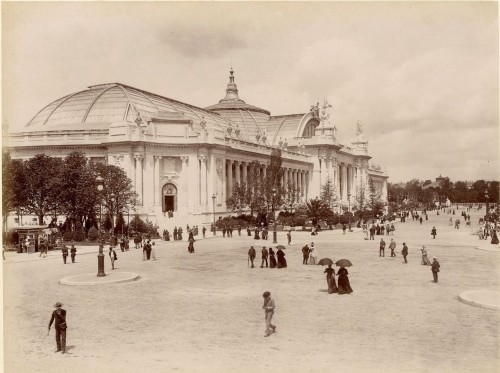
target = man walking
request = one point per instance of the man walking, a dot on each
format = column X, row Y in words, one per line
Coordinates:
column 269, row 307
column 392, row 246
column 112, row 256
column 433, row 232
column 251, row 255
column 64, row 253
column 59, row 316
column 265, row 254
column 404, row 252
column 289, row 236
column 73, row 253
column 372, row 232
column 305, row 254
column 382, row 248
column 435, row 269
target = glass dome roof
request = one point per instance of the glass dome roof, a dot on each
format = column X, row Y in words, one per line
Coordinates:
column 107, row 103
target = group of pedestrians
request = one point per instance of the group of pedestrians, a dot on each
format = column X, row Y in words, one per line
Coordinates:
column 344, row 286
column 276, row 259
column 404, row 252
column 309, row 254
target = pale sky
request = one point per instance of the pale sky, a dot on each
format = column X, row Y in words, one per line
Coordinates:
column 421, row 77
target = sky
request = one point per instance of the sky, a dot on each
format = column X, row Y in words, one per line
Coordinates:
column 422, row 77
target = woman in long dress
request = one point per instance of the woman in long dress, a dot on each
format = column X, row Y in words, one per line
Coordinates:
column 425, row 260
column 272, row 258
column 330, row 280
column 313, row 256
column 494, row 237
column 343, row 281
column 281, row 258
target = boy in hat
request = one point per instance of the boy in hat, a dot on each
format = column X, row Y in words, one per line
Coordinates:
column 59, row 316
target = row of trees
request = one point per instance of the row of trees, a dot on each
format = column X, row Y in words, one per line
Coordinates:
column 415, row 193
column 47, row 186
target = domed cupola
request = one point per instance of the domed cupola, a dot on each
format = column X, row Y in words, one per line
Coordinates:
column 232, row 100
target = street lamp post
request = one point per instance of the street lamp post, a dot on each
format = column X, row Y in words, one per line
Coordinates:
column 487, row 203
column 275, row 234
column 349, row 209
column 111, row 215
column 213, row 202
column 100, row 256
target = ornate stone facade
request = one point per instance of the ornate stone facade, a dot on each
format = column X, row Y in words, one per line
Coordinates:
column 187, row 159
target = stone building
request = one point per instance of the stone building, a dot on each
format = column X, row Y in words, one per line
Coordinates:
column 187, row 159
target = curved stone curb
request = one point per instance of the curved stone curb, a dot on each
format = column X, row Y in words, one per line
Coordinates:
column 481, row 298
column 492, row 248
column 92, row 279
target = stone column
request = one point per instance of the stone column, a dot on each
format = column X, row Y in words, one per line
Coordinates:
column 212, row 180
column 344, row 181
column 156, row 184
column 285, row 177
column 264, row 170
column 229, row 178
column 245, row 165
column 237, row 172
column 138, row 176
column 185, row 182
column 203, row 180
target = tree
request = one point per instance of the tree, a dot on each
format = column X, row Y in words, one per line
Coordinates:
column 78, row 191
column 43, row 185
column 317, row 209
column 13, row 180
column 361, row 205
column 329, row 193
column 374, row 202
column 239, row 200
column 273, row 191
column 117, row 194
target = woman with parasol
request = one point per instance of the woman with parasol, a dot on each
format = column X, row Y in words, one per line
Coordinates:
column 344, row 286
column 330, row 275
column 281, row 256
column 272, row 258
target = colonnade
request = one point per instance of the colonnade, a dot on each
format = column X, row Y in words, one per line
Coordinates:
column 238, row 172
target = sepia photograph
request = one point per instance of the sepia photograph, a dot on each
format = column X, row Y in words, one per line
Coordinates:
column 226, row 187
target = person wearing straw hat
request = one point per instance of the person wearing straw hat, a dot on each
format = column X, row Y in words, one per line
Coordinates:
column 435, row 269
column 59, row 316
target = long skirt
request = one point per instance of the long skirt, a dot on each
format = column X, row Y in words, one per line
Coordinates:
column 332, row 286
column 312, row 260
column 343, row 285
column 272, row 262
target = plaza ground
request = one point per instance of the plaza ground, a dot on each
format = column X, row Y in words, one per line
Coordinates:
column 203, row 312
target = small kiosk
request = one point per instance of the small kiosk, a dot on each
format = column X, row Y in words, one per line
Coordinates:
column 31, row 235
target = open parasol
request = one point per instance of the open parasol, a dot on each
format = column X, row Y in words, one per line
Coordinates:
column 325, row 261
column 280, row 247
column 343, row 263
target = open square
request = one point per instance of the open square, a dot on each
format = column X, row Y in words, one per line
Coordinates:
column 202, row 312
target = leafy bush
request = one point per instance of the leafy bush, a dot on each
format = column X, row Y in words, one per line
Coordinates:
column 93, row 234
column 68, row 236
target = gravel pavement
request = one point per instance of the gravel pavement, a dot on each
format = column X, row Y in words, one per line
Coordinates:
column 202, row 312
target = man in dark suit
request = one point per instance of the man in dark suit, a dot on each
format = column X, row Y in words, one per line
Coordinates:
column 435, row 269
column 404, row 252
column 59, row 316
column 265, row 254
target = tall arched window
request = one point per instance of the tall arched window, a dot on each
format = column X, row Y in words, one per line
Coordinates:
column 310, row 128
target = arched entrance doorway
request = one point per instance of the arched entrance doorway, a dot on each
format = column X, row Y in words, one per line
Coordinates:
column 169, row 199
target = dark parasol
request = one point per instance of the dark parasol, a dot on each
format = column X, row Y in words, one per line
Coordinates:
column 343, row 263
column 325, row 261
